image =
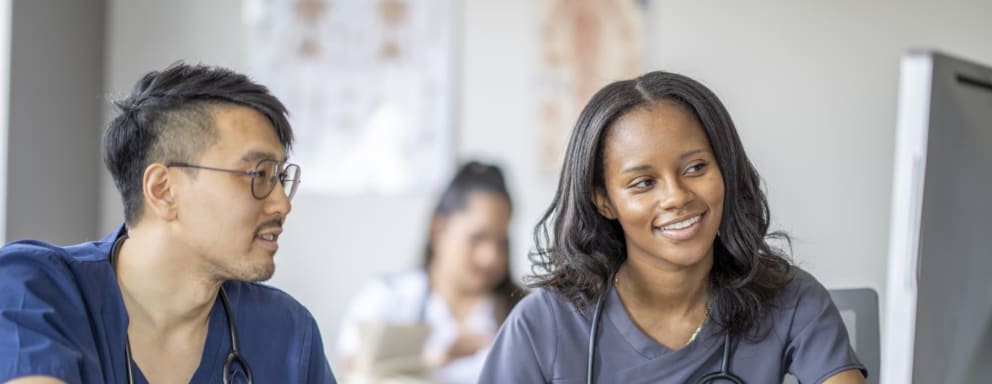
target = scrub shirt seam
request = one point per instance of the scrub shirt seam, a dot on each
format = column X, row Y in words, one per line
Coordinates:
column 554, row 324
column 846, row 367
column 797, row 301
column 789, row 336
column 57, row 259
column 60, row 371
column 805, row 289
column 305, row 360
column 626, row 334
column 806, row 327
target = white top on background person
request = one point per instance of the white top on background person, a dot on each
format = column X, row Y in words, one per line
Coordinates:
column 404, row 298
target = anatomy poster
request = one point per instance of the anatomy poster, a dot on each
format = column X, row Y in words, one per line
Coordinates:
column 584, row 45
column 369, row 85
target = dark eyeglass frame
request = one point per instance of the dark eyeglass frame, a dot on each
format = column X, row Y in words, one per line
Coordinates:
column 282, row 176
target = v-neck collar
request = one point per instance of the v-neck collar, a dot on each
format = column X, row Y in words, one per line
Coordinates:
column 212, row 359
column 648, row 347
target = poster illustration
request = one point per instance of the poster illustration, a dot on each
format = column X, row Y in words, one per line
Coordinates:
column 369, row 85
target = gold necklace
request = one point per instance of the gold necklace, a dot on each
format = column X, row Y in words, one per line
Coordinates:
column 706, row 315
column 700, row 327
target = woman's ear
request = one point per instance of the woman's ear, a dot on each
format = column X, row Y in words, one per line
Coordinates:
column 159, row 191
column 603, row 204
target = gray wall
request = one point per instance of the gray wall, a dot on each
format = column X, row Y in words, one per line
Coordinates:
column 56, row 96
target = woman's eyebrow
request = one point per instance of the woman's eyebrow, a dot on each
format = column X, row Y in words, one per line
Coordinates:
column 636, row 168
column 691, row 153
column 644, row 167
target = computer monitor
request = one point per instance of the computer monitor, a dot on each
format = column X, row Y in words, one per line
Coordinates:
column 938, row 316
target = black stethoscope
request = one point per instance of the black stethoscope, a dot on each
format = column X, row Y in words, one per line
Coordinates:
column 232, row 357
column 723, row 374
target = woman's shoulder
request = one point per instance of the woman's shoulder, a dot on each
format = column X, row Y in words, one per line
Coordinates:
column 536, row 320
column 544, row 305
column 803, row 301
column 804, row 288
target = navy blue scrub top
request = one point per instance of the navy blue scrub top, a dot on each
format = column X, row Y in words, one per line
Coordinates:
column 545, row 340
column 62, row 315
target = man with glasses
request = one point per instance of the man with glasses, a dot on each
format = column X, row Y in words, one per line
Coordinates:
column 199, row 155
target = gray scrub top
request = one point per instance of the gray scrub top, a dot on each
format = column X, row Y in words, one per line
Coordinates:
column 545, row 340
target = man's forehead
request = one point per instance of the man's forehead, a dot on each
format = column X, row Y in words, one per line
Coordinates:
column 246, row 133
column 253, row 156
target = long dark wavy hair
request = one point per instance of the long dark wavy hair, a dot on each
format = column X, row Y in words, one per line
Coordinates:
column 578, row 249
column 477, row 177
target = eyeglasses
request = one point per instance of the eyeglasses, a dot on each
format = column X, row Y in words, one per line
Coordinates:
column 263, row 177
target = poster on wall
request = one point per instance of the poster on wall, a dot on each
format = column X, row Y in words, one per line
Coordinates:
column 584, row 45
column 370, row 87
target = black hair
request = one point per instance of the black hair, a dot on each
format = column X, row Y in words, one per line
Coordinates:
column 167, row 117
column 476, row 177
column 578, row 249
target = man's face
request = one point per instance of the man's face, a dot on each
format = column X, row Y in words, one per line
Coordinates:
column 233, row 235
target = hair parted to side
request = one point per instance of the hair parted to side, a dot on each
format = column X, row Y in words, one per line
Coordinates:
column 578, row 249
column 168, row 117
column 477, row 177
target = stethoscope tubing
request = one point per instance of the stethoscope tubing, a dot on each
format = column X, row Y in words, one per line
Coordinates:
column 723, row 374
column 233, row 357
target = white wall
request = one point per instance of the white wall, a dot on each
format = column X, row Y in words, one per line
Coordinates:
column 811, row 86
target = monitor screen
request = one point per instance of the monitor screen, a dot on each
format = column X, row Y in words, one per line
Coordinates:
column 938, row 317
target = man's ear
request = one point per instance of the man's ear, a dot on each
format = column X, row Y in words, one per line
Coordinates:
column 603, row 204
column 159, row 190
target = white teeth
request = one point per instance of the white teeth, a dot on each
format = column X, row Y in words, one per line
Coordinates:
column 682, row 224
column 268, row 237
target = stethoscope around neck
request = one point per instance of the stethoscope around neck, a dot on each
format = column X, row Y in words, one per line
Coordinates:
column 233, row 357
column 723, row 374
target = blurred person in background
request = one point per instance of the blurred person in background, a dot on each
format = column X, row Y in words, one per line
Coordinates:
column 462, row 292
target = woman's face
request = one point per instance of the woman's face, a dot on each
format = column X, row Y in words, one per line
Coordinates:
column 663, row 185
column 470, row 245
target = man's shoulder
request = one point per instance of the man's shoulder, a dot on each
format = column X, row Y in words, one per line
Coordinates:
column 260, row 294
column 32, row 249
column 57, row 311
column 42, row 252
column 263, row 301
column 54, row 274
column 29, row 258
